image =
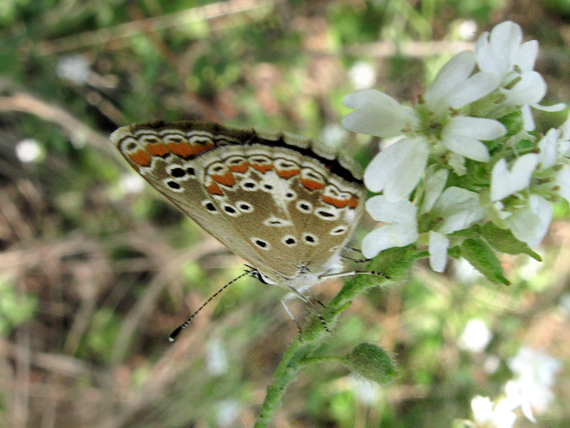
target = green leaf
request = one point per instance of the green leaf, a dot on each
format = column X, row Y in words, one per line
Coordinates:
column 371, row 362
column 503, row 240
column 483, row 258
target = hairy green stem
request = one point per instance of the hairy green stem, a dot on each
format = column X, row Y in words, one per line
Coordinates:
column 395, row 262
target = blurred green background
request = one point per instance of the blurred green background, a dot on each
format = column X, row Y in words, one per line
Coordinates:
column 96, row 268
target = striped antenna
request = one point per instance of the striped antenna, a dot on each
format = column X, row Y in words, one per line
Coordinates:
column 185, row 324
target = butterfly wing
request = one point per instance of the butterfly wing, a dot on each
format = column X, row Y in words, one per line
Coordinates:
column 280, row 202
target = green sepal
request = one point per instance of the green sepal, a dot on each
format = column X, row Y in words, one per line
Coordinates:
column 371, row 362
column 484, row 259
column 504, row 241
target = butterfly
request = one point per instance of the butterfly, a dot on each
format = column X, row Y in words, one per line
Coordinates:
column 285, row 204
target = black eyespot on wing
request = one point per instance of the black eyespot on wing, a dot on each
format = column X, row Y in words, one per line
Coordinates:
column 173, row 185
column 177, row 172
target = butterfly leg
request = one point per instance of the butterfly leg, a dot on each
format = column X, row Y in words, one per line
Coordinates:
column 356, row 250
column 353, row 273
column 294, row 293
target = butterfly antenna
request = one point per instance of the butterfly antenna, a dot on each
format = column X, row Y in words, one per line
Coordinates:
column 185, row 324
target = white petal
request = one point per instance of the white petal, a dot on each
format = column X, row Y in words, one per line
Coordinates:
column 452, row 74
column 527, row 55
column 377, row 114
column 505, row 182
column 393, row 235
column 438, row 245
column 563, row 180
column 457, row 163
column 403, row 212
column 473, row 89
column 553, row 107
column 506, row 39
column 548, row 148
column 434, row 184
column 482, row 409
column 530, row 224
column 459, row 208
column 476, row 127
column 386, row 165
column 531, row 89
column 468, row 147
column 528, row 119
column 410, row 172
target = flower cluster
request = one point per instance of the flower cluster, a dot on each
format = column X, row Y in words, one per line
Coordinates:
column 466, row 176
column 530, row 391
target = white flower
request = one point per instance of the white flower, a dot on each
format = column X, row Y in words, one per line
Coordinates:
column 28, row 150
column 456, row 209
column 398, row 169
column 476, row 336
column 362, row 75
column 402, row 229
column 530, row 223
column 534, row 375
column 504, row 182
column 74, row 68
column 503, row 54
column 486, row 413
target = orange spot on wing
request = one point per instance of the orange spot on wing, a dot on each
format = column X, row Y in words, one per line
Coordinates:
column 242, row 167
column 184, row 150
column 226, row 179
column 340, row 203
column 288, row 173
column 214, row 189
column 199, row 148
column 312, row 184
column 263, row 168
column 158, row 149
column 141, row 158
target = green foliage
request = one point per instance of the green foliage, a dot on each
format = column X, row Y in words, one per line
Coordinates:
column 15, row 309
column 482, row 257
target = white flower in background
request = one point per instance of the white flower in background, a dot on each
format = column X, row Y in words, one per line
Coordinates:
column 475, row 337
column 131, row 183
column 397, row 169
column 227, row 412
column 466, row 29
column 28, row 150
column 487, row 414
column 333, row 135
column 503, row 54
column 400, row 231
column 217, row 358
column 534, row 375
column 74, row 68
column 362, row 75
